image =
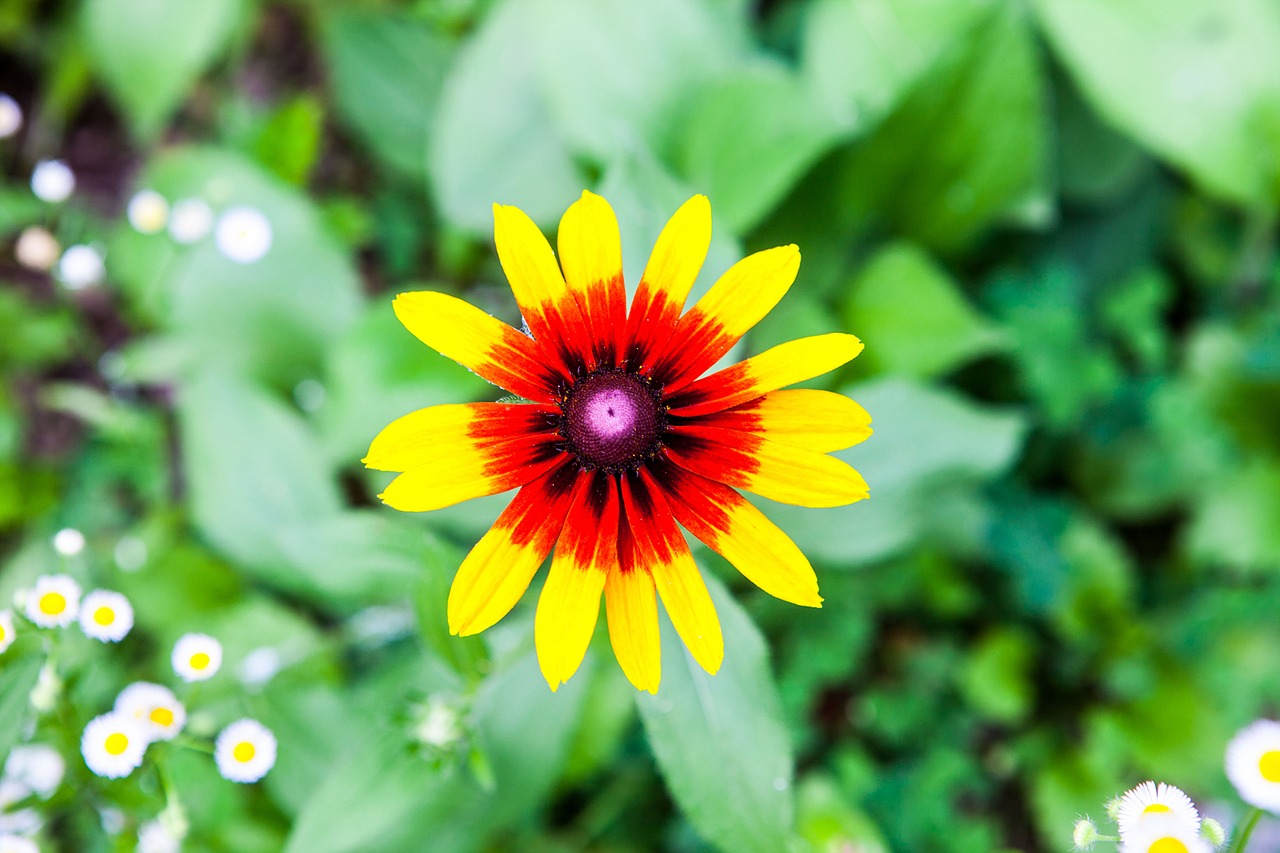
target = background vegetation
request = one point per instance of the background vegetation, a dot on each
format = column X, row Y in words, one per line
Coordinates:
column 1053, row 223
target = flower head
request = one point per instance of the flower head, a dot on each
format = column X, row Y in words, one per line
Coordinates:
column 37, row 249
column 37, row 766
column 113, row 745
column 155, row 837
column 245, row 751
column 54, row 602
column 7, row 634
column 52, row 181
column 10, row 116
column 243, row 234
column 1253, row 764
column 1148, row 800
column 17, row 844
column 81, row 267
column 106, row 616
column 68, row 542
column 197, row 657
column 154, row 706
column 148, row 212
column 190, row 220
column 1163, row 833
column 623, row 437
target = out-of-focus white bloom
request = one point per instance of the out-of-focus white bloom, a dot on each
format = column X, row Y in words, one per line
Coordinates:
column 37, row 766
column 81, row 266
column 155, row 706
column 190, row 220
column 17, row 844
column 52, row 181
column 68, row 541
column 44, row 696
column 130, row 553
column 244, row 234
column 155, row 837
column 259, row 666
column 6, row 630
column 148, row 212
column 196, row 657
column 112, row 820
column 22, row 821
column 1253, row 764
column 113, row 745
column 106, row 616
column 245, row 751
column 1148, row 800
column 54, row 601
column 10, row 116
column 1164, row 833
column 37, row 249
column 438, row 723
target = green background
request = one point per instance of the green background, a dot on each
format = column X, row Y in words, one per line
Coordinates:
column 1053, row 223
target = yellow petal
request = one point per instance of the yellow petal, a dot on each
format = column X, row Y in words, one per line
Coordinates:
column 591, row 255
column 422, row 437
column 632, row 608
column 812, row 419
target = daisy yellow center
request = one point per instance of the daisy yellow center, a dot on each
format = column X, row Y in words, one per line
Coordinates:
column 244, row 752
column 116, row 743
column 1269, row 765
column 612, row 419
column 162, row 717
column 53, row 603
column 200, row 660
column 1167, row 845
column 1155, row 808
column 3, row 633
column 104, row 616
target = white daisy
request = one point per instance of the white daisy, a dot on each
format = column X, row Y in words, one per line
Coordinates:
column 197, row 657
column 37, row 249
column 155, row 837
column 52, row 181
column 1164, row 833
column 37, row 766
column 190, row 220
column 148, row 212
column 18, row 821
column 113, row 745
column 6, row 630
column 54, row 602
column 106, row 616
column 81, row 267
column 1253, row 764
column 245, row 751
column 17, row 844
column 243, row 235
column 1148, row 800
column 155, row 706
column 10, row 116
column 68, row 542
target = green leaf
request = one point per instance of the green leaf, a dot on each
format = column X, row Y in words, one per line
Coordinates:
column 1197, row 82
column 150, row 52
column 1237, row 522
column 996, row 679
column 720, row 740
column 288, row 141
column 386, row 70
column 912, row 316
column 18, row 675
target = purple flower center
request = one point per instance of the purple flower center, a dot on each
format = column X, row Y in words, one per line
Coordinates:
column 612, row 419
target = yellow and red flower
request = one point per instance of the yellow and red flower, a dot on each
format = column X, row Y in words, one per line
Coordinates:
column 623, row 440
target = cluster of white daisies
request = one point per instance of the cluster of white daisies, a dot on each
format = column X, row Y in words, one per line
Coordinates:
column 1159, row 818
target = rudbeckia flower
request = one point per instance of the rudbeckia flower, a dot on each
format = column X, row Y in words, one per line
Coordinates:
column 622, row 439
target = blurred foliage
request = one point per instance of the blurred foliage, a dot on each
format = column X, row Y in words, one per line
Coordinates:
column 1053, row 223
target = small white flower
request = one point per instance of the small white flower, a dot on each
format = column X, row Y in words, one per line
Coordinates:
column 112, row 820
column 37, row 249
column 197, row 657
column 52, row 181
column 1164, row 833
column 38, row 766
column 148, row 212
column 17, row 844
column 259, row 667
column 113, row 745
column 81, row 266
column 243, row 235
column 1253, row 764
column 6, row 630
column 245, row 751
column 106, row 616
column 68, row 542
column 155, row 706
column 438, row 723
column 54, row 602
column 10, row 116
column 1149, row 800
column 44, row 696
column 190, row 220
column 155, row 837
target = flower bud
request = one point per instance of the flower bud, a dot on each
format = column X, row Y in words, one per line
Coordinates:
column 1085, row 834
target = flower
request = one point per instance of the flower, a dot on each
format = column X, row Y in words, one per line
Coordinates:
column 81, row 267
column 68, row 541
column 17, row 844
column 1150, row 799
column 148, row 212
column 243, row 234
column 155, row 707
column 106, row 616
column 1253, row 764
column 37, row 766
column 245, row 751
column 190, row 220
column 37, row 249
column 155, row 837
column 10, row 116
column 7, row 633
column 44, row 696
column 197, row 657
column 52, row 181
column 438, row 724
column 113, row 745
column 621, row 439
column 54, row 602
column 1163, row 833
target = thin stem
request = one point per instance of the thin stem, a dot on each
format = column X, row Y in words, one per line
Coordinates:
column 1241, row 841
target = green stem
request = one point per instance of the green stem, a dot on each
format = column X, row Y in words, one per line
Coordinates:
column 1241, row 841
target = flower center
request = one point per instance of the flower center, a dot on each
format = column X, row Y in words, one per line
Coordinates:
column 243, row 752
column 612, row 419
column 1155, row 808
column 116, row 743
column 162, row 717
column 104, row 616
column 1269, row 766
column 1167, row 845
column 52, row 603
column 199, row 660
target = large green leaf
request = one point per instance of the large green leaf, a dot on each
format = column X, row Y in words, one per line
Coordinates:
column 150, row 52
column 720, row 740
column 1196, row 81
